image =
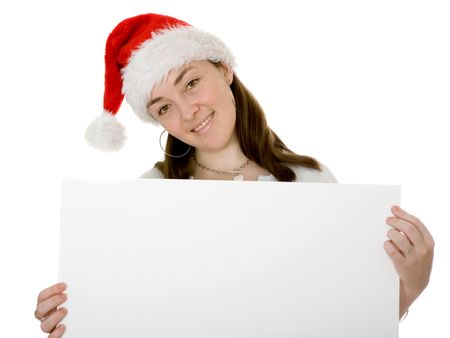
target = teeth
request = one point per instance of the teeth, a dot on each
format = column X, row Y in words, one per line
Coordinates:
column 204, row 123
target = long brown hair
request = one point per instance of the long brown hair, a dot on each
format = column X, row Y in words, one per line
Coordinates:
column 258, row 142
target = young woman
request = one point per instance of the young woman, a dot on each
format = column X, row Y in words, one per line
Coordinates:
column 183, row 78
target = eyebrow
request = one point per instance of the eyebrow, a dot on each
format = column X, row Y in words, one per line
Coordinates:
column 183, row 73
column 177, row 81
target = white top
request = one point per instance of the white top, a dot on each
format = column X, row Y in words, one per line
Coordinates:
column 303, row 175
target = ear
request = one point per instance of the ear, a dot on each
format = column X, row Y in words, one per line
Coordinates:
column 228, row 73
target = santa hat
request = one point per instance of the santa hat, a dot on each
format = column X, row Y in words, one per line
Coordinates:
column 140, row 51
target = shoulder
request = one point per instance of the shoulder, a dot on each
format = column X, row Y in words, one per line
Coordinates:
column 152, row 173
column 313, row 175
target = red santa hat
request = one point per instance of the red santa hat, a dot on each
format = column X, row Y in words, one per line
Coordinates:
column 140, row 51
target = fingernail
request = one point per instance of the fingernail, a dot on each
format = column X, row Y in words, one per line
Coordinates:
column 396, row 208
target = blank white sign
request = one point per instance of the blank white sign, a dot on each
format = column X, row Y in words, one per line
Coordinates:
column 227, row 259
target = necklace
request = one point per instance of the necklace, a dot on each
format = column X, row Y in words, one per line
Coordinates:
column 234, row 172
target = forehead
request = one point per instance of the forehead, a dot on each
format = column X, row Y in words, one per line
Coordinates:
column 168, row 81
column 172, row 74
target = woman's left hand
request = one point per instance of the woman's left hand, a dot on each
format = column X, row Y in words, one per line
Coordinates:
column 411, row 249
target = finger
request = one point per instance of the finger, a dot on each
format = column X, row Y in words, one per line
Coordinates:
column 401, row 241
column 408, row 229
column 399, row 212
column 47, row 306
column 49, row 324
column 51, row 291
column 395, row 255
column 58, row 332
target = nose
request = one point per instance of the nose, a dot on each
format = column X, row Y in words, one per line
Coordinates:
column 188, row 109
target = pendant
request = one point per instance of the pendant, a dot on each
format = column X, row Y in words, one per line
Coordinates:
column 234, row 172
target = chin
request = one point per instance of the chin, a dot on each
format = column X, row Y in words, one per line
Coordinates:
column 216, row 141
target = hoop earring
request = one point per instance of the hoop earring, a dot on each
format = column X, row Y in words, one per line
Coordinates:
column 176, row 156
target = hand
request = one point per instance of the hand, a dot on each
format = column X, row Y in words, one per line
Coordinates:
column 47, row 310
column 411, row 249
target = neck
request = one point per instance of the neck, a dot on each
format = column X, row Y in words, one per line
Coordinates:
column 223, row 160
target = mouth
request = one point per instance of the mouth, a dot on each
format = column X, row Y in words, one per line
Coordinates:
column 204, row 126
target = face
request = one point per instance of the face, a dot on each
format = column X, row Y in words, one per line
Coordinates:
column 195, row 104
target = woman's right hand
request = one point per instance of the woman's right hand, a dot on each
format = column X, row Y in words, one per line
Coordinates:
column 49, row 312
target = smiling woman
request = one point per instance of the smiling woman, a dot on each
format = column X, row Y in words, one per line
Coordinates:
column 184, row 79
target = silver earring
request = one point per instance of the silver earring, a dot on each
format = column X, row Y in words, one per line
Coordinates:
column 176, row 156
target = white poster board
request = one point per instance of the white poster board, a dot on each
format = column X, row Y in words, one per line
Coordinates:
column 227, row 259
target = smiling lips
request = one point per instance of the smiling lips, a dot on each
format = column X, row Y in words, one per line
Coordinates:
column 204, row 126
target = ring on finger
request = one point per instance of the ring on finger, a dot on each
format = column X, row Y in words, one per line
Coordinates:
column 41, row 319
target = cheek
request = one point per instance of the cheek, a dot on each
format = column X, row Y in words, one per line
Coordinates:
column 171, row 127
column 219, row 97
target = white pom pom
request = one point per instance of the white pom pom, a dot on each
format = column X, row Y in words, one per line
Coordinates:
column 106, row 133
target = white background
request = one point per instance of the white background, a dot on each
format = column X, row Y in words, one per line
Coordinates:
column 363, row 86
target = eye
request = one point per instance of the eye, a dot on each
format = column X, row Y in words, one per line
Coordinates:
column 191, row 84
column 163, row 110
